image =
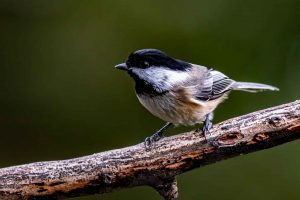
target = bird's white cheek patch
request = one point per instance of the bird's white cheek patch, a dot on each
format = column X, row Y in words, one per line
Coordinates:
column 161, row 77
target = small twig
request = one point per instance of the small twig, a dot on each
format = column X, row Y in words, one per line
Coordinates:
column 133, row 166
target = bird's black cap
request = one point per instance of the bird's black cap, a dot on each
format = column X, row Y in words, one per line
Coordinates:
column 145, row 58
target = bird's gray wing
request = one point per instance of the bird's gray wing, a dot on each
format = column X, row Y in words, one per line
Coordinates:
column 213, row 85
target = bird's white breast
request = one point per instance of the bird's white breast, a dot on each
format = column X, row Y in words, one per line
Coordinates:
column 178, row 108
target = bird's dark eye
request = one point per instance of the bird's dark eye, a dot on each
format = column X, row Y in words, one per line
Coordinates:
column 146, row 64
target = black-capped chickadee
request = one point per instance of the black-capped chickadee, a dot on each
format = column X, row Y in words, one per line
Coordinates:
column 179, row 92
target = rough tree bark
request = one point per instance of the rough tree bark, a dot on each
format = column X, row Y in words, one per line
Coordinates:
column 157, row 167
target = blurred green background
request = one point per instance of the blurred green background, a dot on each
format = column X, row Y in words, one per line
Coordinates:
column 61, row 96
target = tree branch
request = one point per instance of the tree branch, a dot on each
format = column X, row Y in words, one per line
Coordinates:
column 158, row 167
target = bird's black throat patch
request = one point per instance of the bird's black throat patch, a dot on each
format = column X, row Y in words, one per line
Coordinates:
column 144, row 87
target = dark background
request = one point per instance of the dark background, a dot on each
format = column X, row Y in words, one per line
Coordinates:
column 61, row 96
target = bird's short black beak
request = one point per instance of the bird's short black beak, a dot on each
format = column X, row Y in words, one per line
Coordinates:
column 122, row 66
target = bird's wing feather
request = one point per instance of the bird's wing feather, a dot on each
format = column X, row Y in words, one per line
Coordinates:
column 213, row 85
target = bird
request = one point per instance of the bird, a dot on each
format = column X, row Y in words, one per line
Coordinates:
column 180, row 92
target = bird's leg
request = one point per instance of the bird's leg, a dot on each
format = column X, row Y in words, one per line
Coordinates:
column 207, row 124
column 158, row 135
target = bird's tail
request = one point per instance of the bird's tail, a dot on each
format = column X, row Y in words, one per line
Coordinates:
column 252, row 87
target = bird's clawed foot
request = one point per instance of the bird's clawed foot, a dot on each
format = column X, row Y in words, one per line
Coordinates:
column 153, row 138
column 156, row 136
column 207, row 125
